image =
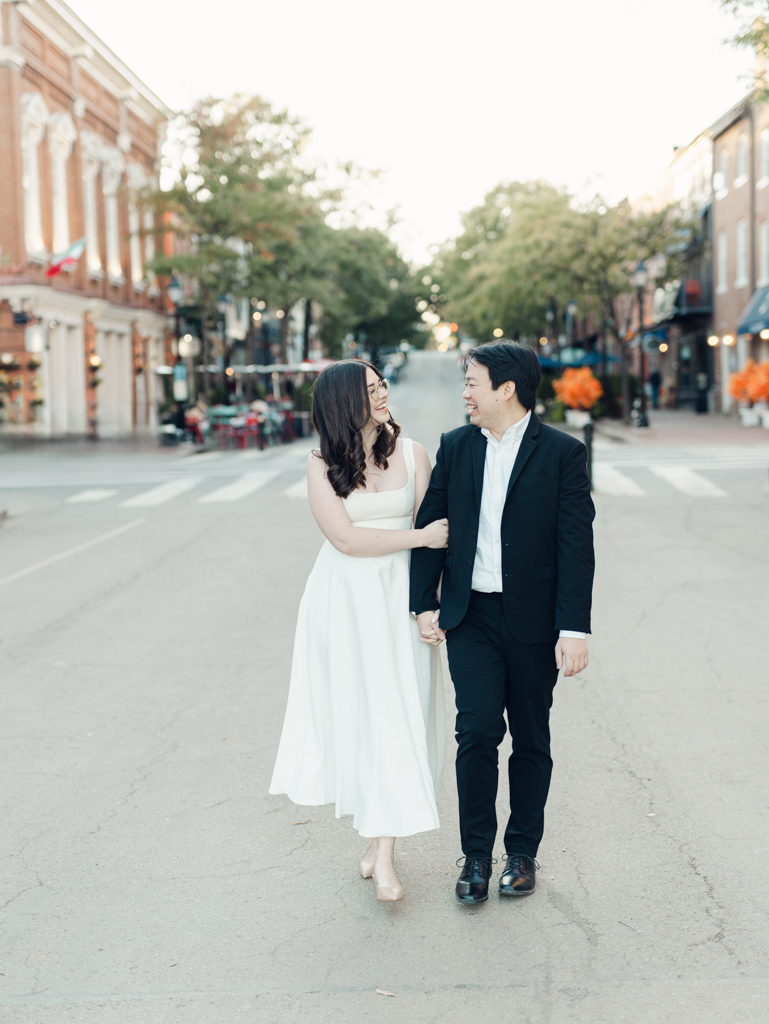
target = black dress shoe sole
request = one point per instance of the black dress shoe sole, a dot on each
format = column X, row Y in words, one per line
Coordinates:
column 508, row 890
column 472, row 900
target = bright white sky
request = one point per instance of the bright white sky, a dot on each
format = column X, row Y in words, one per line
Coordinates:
column 449, row 97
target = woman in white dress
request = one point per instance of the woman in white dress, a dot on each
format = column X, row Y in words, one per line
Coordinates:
column 364, row 726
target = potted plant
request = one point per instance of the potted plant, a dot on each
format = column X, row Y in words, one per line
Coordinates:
column 758, row 391
column 740, row 389
column 579, row 391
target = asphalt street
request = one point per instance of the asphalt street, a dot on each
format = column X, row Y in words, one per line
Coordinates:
column 147, row 605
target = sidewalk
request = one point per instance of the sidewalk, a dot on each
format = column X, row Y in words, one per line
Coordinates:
column 682, row 426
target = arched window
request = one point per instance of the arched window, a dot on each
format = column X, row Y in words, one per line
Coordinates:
column 34, row 117
column 61, row 135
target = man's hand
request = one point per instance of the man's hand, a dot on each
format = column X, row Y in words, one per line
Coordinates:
column 429, row 628
column 570, row 654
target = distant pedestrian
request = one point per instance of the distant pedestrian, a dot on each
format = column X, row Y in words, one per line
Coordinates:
column 517, row 581
column 365, row 723
column 655, row 380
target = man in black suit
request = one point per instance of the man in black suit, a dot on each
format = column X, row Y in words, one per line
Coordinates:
column 515, row 600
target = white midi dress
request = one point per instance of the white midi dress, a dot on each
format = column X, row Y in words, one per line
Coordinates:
column 365, row 722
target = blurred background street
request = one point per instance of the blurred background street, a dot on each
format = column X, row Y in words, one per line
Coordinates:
column 149, row 876
column 201, row 210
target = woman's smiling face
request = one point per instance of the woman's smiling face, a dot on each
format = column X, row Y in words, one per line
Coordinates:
column 377, row 389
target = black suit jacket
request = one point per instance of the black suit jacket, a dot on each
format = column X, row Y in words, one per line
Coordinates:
column 547, row 533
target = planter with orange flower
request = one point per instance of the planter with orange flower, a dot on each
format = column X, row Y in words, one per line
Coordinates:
column 579, row 391
column 750, row 387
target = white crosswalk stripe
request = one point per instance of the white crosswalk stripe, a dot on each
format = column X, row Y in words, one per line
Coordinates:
column 164, row 492
column 688, row 482
column 247, row 484
column 92, row 494
column 297, row 490
column 608, row 480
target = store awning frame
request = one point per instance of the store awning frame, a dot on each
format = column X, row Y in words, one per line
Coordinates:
column 755, row 316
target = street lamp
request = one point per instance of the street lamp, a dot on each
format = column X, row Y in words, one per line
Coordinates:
column 221, row 305
column 175, row 291
column 640, row 279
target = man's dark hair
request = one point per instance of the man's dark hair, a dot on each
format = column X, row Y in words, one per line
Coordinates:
column 507, row 360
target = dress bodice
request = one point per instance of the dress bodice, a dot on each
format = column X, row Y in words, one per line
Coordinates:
column 389, row 510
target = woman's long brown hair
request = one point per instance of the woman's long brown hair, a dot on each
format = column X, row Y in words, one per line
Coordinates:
column 340, row 411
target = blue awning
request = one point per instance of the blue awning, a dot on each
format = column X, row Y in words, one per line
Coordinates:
column 755, row 317
column 588, row 359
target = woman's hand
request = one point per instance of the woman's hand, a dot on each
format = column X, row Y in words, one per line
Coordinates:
column 436, row 535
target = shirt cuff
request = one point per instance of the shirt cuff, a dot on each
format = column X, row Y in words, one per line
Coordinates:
column 574, row 633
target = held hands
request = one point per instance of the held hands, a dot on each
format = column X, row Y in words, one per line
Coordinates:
column 570, row 654
column 436, row 535
column 429, row 628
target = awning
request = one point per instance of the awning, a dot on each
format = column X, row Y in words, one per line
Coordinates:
column 755, row 317
column 588, row 359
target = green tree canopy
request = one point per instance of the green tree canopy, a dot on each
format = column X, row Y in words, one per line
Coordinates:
column 529, row 249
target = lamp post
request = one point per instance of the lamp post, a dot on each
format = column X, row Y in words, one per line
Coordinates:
column 175, row 291
column 640, row 279
column 221, row 305
column 571, row 309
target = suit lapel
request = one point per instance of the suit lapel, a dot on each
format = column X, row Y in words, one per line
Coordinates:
column 528, row 444
column 479, row 461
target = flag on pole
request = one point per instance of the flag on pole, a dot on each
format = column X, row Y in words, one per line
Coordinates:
column 66, row 259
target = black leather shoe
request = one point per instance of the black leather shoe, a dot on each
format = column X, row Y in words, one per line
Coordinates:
column 519, row 876
column 473, row 881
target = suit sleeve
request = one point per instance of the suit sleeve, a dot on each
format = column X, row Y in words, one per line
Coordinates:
column 427, row 563
column 574, row 541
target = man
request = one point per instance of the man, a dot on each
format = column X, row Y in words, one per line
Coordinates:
column 515, row 600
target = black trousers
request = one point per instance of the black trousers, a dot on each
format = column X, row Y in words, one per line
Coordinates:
column 494, row 673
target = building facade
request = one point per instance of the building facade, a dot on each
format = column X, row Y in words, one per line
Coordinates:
column 740, row 237
column 79, row 143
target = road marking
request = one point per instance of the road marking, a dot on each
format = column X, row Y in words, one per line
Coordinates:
column 92, row 494
column 71, row 551
column 196, row 457
column 297, row 490
column 608, row 480
column 688, row 482
column 247, row 484
column 164, row 492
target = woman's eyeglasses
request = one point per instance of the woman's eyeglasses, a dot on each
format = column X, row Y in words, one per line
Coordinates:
column 383, row 385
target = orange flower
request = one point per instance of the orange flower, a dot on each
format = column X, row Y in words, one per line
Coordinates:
column 578, row 389
column 758, row 385
column 739, row 382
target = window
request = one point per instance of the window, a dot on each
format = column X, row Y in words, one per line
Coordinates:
column 763, row 156
column 742, row 161
column 112, row 175
column 136, row 180
column 61, row 134
column 34, row 116
column 91, row 147
column 763, row 254
column 723, row 283
column 741, row 279
column 721, row 176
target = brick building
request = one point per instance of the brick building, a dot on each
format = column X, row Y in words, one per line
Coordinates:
column 741, row 237
column 79, row 139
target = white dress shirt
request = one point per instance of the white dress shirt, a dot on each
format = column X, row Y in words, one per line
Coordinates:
column 500, row 459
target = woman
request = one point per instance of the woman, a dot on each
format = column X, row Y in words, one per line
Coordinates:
column 364, row 726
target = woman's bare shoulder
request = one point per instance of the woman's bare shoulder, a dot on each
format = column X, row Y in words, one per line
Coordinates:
column 315, row 464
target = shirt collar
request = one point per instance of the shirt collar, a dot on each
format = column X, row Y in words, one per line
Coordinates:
column 511, row 435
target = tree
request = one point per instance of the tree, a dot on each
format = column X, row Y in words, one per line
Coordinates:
column 529, row 250
column 754, row 32
column 241, row 206
column 372, row 293
column 252, row 221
